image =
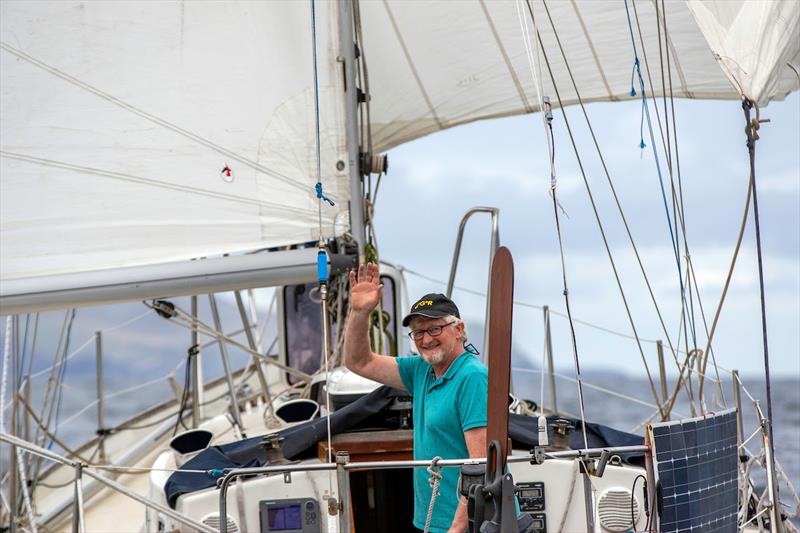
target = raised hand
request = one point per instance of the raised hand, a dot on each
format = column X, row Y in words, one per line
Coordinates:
column 365, row 290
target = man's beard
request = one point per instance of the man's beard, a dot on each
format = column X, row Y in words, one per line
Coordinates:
column 434, row 356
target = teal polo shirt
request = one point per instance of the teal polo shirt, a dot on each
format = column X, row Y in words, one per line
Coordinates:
column 444, row 409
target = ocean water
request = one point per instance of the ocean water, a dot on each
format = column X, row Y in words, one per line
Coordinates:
column 622, row 408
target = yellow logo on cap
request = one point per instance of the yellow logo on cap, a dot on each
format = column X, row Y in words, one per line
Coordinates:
column 423, row 303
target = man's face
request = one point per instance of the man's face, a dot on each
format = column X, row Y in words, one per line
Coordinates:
column 437, row 349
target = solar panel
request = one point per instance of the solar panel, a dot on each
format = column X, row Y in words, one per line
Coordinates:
column 696, row 463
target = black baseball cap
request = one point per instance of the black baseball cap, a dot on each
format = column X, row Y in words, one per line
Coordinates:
column 433, row 305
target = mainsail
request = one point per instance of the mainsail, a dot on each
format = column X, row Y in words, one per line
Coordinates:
column 136, row 134
column 140, row 133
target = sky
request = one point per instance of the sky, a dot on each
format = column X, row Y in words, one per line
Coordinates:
column 502, row 163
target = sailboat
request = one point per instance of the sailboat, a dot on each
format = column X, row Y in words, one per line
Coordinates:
column 161, row 150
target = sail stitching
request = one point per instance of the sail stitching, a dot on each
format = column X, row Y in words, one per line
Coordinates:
column 506, row 59
column 151, row 182
column 678, row 67
column 411, row 65
column 152, row 118
column 594, row 51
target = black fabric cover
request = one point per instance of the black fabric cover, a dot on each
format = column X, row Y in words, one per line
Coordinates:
column 524, row 432
column 298, row 439
column 246, row 453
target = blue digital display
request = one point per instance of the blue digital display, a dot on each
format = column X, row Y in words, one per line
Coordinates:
column 284, row 518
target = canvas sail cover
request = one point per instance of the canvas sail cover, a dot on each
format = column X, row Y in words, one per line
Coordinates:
column 118, row 118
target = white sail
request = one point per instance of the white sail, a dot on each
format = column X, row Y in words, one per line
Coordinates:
column 756, row 43
column 118, row 119
column 437, row 64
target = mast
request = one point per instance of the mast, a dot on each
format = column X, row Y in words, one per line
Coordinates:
column 348, row 59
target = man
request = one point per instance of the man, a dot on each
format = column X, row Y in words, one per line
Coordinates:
column 448, row 384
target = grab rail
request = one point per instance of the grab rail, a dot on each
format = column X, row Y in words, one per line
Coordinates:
column 493, row 246
column 78, row 521
column 343, row 464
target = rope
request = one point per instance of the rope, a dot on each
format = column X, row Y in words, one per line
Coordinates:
column 646, row 109
column 591, row 196
column 548, row 126
column 709, row 349
column 23, row 478
column 435, row 472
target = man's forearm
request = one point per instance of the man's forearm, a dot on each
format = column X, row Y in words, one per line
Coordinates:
column 356, row 341
column 460, row 519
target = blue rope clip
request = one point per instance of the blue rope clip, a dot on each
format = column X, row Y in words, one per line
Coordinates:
column 216, row 472
column 320, row 194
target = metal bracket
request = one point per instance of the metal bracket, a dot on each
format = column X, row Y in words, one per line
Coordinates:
column 537, row 455
column 287, row 477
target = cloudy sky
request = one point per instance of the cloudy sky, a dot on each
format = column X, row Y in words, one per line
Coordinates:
column 502, row 163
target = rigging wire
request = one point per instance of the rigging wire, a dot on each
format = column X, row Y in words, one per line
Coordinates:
column 62, row 373
column 322, row 255
column 591, row 195
column 678, row 168
column 547, row 123
column 689, row 314
column 751, row 130
column 682, row 215
column 656, row 159
column 672, row 347
column 531, row 306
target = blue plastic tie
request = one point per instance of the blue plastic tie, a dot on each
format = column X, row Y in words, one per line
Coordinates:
column 322, row 266
column 321, row 195
column 216, row 472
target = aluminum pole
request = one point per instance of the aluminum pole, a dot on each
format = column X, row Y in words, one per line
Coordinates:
column 343, row 491
column 775, row 525
column 223, row 351
column 551, row 377
column 13, row 496
column 98, row 342
column 662, row 371
column 493, row 245
column 737, row 398
column 251, row 341
column 197, row 382
column 47, row 454
column 78, row 520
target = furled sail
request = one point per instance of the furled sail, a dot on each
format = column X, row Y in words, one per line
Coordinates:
column 137, row 133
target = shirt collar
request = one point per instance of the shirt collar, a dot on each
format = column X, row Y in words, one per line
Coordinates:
column 457, row 363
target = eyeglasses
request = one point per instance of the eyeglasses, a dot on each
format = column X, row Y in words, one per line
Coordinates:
column 434, row 331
